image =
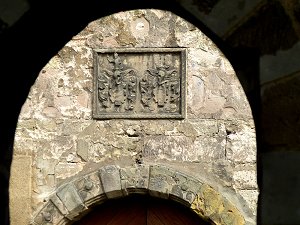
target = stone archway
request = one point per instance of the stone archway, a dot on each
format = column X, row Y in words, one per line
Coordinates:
column 73, row 199
column 214, row 140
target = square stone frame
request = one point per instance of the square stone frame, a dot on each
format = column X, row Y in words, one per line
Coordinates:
column 182, row 108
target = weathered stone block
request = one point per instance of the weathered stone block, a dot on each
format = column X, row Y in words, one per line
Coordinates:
column 48, row 215
column 48, row 164
column 90, row 189
column 231, row 215
column 158, row 127
column 208, row 201
column 71, row 127
column 64, row 170
column 187, row 129
column 185, row 189
column 135, row 179
column 222, row 171
column 71, row 199
column 210, row 148
column 209, row 204
column 111, row 181
column 82, row 149
column 245, row 179
column 59, row 204
column 207, row 127
column 250, row 196
column 241, row 144
column 161, row 181
column 51, row 112
column 168, row 147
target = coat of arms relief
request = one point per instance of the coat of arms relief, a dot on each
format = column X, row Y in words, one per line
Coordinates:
column 134, row 84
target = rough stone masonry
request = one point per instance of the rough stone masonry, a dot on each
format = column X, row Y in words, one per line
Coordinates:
column 56, row 134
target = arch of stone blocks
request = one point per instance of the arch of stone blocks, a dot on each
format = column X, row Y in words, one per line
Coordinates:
column 75, row 198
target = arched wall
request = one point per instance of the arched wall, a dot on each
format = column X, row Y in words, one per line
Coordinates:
column 58, row 137
column 75, row 198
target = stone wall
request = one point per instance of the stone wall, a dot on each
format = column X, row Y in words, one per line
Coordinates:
column 215, row 143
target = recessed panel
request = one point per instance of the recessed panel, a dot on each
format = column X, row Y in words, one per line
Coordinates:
column 139, row 83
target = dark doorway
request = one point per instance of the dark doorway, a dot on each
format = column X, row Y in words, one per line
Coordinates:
column 141, row 210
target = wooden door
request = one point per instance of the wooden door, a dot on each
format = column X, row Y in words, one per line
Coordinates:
column 141, row 210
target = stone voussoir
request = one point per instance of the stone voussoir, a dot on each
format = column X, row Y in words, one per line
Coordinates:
column 50, row 214
column 135, row 179
column 71, row 199
column 160, row 181
column 90, row 189
column 185, row 189
column 212, row 206
column 165, row 182
column 59, row 204
column 111, row 181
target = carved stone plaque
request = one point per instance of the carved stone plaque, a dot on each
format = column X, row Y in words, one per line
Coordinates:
column 139, row 83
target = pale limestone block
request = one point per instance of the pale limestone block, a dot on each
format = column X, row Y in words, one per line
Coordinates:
column 245, row 179
column 20, row 190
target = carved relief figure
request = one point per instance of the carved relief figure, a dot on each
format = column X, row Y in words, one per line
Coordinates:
column 133, row 84
column 103, row 88
column 161, row 84
column 146, row 90
column 117, row 87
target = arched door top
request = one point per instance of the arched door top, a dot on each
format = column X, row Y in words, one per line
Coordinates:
column 71, row 200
